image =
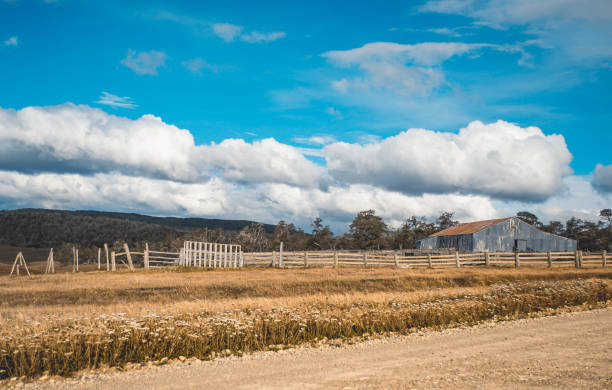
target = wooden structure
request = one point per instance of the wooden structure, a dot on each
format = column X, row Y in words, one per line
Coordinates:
column 75, row 260
column 497, row 235
column 210, row 255
column 50, row 268
column 19, row 262
column 398, row 259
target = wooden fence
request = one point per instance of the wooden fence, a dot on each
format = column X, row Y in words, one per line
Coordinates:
column 210, row 255
column 577, row 259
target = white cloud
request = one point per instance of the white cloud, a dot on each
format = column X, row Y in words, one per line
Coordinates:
column 334, row 112
column 145, row 63
column 116, row 101
column 444, row 31
column 114, row 191
column 266, row 160
column 404, row 68
column 83, row 139
column 71, row 138
column 340, row 204
column 583, row 30
column 12, row 41
column 340, row 85
column 578, row 199
column 230, row 32
column 602, row 178
column 227, row 31
column 316, row 140
column 195, row 66
column 426, row 53
column 216, row 198
column 72, row 156
column 499, row 159
column 257, row 37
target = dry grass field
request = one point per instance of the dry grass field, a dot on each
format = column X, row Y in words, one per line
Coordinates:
column 59, row 324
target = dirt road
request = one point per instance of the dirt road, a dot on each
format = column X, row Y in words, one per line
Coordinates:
column 572, row 350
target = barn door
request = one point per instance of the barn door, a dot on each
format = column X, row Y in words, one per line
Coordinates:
column 520, row 245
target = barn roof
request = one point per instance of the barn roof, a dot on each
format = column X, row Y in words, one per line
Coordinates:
column 469, row 228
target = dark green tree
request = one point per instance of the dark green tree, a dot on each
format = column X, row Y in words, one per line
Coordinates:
column 530, row 218
column 445, row 220
column 367, row 230
column 322, row 236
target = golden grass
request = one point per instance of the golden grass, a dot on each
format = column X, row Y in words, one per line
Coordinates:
column 67, row 322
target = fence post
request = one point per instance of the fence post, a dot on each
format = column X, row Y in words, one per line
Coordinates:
column 395, row 260
column 113, row 263
column 517, row 260
column 305, row 259
column 336, row 260
column 127, row 254
column 77, row 260
column 73, row 259
column 99, row 253
column 457, row 262
column 146, row 255
column 487, row 259
column 273, row 259
column 226, row 261
column 549, row 258
column 429, row 262
column 106, row 252
column 603, row 259
column 365, row 259
column 580, row 260
column 280, row 256
column 576, row 260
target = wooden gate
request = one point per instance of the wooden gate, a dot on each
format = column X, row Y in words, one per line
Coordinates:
column 210, row 255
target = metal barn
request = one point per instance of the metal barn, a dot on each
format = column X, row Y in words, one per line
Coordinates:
column 497, row 235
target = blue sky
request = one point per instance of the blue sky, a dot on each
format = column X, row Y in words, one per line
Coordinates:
column 310, row 76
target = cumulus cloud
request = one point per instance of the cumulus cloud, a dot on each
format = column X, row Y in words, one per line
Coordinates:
column 217, row 198
column 113, row 191
column 578, row 199
column 266, row 160
column 499, row 159
column 115, row 101
column 316, row 140
column 84, row 139
column 146, row 62
column 602, row 178
column 404, row 68
column 340, row 204
column 70, row 138
column 12, row 41
column 71, row 156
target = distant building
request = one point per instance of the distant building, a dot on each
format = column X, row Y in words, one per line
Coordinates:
column 497, row 235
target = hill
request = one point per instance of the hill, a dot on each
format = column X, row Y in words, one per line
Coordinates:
column 50, row 228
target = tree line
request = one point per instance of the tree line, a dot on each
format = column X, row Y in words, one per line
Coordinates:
column 366, row 231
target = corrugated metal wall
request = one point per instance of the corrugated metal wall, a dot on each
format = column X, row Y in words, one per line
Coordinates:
column 502, row 237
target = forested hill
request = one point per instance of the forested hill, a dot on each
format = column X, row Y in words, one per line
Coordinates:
column 50, row 228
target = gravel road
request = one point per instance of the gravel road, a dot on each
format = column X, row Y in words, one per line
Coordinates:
column 572, row 351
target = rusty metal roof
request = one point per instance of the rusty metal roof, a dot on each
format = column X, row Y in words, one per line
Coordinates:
column 469, row 228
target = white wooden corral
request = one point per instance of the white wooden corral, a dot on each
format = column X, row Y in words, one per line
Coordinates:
column 211, row 255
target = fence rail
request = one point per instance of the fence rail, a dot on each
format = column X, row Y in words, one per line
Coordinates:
column 577, row 259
